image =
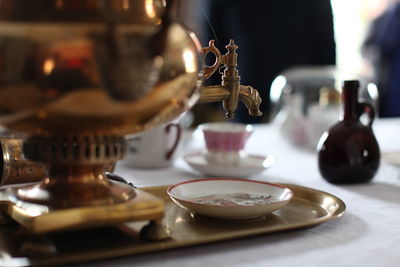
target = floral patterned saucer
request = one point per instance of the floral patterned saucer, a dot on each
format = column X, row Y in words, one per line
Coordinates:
column 230, row 198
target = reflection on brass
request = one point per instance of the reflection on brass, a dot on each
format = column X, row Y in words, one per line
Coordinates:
column 58, row 77
column 230, row 91
column 38, row 246
column 78, row 75
column 308, row 207
column 14, row 167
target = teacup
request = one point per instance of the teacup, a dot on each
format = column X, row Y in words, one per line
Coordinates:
column 156, row 148
column 225, row 142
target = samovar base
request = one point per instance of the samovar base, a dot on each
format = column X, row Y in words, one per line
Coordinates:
column 77, row 193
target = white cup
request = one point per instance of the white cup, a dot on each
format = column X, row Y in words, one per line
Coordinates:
column 154, row 149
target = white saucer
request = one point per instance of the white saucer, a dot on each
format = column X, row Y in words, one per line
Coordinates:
column 230, row 198
column 248, row 166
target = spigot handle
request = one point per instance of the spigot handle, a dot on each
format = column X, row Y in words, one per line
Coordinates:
column 209, row 70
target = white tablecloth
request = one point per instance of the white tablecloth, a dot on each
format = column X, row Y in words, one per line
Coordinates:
column 368, row 234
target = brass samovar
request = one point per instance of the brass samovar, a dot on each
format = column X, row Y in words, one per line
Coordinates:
column 76, row 76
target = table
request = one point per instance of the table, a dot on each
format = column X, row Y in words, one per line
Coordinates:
column 367, row 234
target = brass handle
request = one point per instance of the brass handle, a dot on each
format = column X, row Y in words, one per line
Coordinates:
column 16, row 169
column 209, row 70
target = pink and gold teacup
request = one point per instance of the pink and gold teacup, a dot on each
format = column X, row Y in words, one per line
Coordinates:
column 225, row 142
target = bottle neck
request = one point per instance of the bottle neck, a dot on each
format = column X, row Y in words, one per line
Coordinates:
column 350, row 103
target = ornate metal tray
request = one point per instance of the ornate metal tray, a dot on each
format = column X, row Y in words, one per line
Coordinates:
column 307, row 208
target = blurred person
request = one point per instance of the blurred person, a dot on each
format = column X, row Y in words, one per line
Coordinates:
column 382, row 49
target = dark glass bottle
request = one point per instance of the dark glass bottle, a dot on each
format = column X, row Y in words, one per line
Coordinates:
column 349, row 153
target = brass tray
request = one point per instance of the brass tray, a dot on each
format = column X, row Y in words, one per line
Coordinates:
column 307, row 208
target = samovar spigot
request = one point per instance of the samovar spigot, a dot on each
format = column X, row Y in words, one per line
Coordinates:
column 230, row 91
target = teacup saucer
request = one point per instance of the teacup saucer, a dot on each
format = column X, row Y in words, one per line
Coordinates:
column 248, row 166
